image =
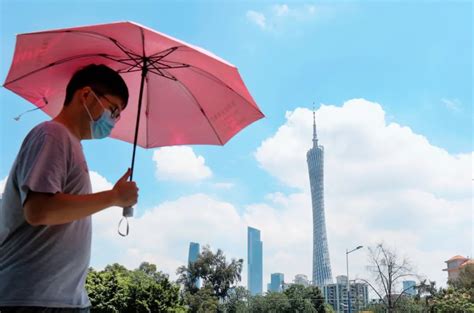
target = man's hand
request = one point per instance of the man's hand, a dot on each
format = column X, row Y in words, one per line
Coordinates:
column 126, row 192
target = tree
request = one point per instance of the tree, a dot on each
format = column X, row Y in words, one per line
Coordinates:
column 202, row 301
column 216, row 273
column 272, row 302
column 116, row 289
column 387, row 269
column 453, row 300
column 237, row 300
column 305, row 299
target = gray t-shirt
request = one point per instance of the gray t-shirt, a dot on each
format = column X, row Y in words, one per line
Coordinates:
column 45, row 265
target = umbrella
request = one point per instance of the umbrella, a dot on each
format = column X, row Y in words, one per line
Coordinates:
column 179, row 93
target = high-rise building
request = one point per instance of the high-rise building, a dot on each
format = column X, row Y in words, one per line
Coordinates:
column 321, row 263
column 276, row 282
column 254, row 261
column 336, row 295
column 409, row 287
column 194, row 251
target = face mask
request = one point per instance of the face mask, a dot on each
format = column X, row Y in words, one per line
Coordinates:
column 104, row 125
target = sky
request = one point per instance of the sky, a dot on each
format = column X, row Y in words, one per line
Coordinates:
column 391, row 85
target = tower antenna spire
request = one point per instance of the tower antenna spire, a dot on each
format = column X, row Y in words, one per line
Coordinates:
column 315, row 135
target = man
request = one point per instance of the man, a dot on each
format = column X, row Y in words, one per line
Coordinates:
column 45, row 218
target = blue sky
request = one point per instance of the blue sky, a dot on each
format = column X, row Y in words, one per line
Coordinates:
column 412, row 58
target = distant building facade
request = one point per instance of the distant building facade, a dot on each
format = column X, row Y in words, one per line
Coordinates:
column 321, row 263
column 454, row 266
column 254, row 261
column 193, row 255
column 301, row 279
column 336, row 295
column 409, row 287
column 277, row 281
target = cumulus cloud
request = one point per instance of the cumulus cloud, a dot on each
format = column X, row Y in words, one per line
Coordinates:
column 275, row 17
column 281, row 9
column 257, row 18
column 224, row 185
column 180, row 164
column 452, row 104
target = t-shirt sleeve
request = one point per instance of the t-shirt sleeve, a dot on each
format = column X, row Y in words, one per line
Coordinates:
column 42, row 166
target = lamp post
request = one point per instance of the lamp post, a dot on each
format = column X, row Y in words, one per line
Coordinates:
column 348, row 284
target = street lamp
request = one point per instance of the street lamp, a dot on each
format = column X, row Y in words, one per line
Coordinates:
column 348, row 284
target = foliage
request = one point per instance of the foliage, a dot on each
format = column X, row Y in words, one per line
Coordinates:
column 273, row 302
column 215, row 272
column 305, row 299
column 453, row 300
column 237, row 300
column 202, row 301
column 297, row 298
column 117, row 289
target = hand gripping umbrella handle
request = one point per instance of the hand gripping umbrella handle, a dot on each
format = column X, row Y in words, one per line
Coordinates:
column 128, row 211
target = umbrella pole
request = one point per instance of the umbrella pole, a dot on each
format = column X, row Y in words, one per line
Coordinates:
column 128, row 211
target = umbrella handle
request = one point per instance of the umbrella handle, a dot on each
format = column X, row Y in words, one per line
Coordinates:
column 128, row 211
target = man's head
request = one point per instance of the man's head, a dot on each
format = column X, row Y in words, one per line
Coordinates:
column 101, row 79
column 95, row 97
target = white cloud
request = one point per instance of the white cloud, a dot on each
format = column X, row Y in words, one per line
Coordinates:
column 224, row 185
column 281, row 9
column 257, row 18
column 180, row 164
column 452, row 104
column 279, row 16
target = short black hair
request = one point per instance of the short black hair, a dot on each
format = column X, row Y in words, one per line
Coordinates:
column 101, row 78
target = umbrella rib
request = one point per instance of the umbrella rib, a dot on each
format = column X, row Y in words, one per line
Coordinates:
column 162, row 73
column 57, row 63
column 166, row 53
column 200, row 109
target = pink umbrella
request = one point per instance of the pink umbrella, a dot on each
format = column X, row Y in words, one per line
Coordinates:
column 181, row 93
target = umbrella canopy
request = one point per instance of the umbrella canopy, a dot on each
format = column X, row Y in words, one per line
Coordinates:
column 188, row 95
column 183, row 94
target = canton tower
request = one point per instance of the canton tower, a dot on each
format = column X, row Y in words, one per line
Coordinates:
column 321, row 264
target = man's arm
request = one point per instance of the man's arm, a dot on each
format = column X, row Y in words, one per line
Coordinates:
column 60, row 208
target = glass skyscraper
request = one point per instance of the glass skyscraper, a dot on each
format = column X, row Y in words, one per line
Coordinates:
column 254, row 261
column 194, row 251
column 276, row 282
column 321, row 263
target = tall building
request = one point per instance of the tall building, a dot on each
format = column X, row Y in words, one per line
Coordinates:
column 409, row 287
column 194, row 251
column 321, row 263
column 254, row 261
column 336, row 295
column 276, row 282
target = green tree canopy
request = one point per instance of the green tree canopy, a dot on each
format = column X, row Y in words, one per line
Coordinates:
column 214, row 270
column 117, row 289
